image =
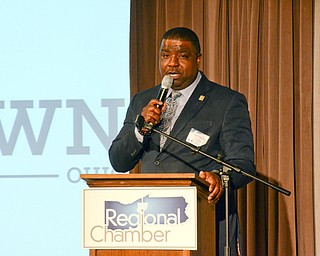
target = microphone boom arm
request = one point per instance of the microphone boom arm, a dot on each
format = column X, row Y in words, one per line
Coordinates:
column 219, row 161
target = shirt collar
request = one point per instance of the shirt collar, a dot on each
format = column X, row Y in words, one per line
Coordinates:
column 186, row 92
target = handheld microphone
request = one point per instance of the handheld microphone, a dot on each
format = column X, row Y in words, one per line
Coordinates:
column 167, row 82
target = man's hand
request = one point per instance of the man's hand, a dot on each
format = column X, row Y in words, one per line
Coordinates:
column 151, row 113
column 215, row 187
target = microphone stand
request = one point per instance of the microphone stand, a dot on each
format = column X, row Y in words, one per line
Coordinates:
column 224, row 173
column 225, row 184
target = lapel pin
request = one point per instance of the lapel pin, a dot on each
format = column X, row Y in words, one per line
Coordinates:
column 202, row 97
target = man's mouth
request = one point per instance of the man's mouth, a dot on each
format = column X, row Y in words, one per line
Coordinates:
column 174, row 75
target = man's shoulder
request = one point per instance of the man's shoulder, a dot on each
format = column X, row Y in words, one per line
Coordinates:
column 216, row 88
column 149, row 92
column 142, row 98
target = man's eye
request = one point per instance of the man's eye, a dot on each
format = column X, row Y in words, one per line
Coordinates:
column 164, row 55
column 184, row 56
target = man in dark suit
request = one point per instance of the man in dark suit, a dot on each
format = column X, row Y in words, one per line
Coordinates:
column 212, row 116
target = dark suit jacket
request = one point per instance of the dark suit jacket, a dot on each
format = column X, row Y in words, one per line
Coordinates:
column 212, row 109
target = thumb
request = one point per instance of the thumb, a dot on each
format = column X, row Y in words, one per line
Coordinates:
column 202, row 175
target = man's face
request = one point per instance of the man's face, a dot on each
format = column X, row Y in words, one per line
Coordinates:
column 179, row 60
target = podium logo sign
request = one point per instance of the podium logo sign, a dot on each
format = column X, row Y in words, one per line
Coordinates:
column 140, row 218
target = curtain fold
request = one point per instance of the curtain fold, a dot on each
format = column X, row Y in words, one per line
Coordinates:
column 262, row 48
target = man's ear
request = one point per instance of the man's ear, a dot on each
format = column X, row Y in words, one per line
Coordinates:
column 199, row 59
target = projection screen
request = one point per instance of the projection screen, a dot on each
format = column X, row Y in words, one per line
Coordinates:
column 64, row 79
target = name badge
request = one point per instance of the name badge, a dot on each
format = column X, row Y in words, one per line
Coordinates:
column 197, row 138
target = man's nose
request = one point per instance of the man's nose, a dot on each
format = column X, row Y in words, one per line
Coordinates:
column 174, row 61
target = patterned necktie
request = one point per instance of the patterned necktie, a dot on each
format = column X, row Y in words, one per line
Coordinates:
column 168, row 115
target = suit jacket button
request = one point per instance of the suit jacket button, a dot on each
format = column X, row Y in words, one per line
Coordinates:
column 157, row 162
column 134, row 152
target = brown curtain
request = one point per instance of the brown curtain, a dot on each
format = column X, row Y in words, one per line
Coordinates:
column 262, row 48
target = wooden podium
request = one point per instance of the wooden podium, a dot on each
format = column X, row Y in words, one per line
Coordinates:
column 206, row 242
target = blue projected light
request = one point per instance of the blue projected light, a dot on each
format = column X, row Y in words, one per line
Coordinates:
column 64, row 79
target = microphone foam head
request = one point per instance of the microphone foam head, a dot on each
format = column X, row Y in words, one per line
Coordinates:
column 167, row 82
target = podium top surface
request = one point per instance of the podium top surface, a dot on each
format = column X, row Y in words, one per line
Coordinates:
column 145, row 179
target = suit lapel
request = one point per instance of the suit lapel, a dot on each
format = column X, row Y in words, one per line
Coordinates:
column 196, row 101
